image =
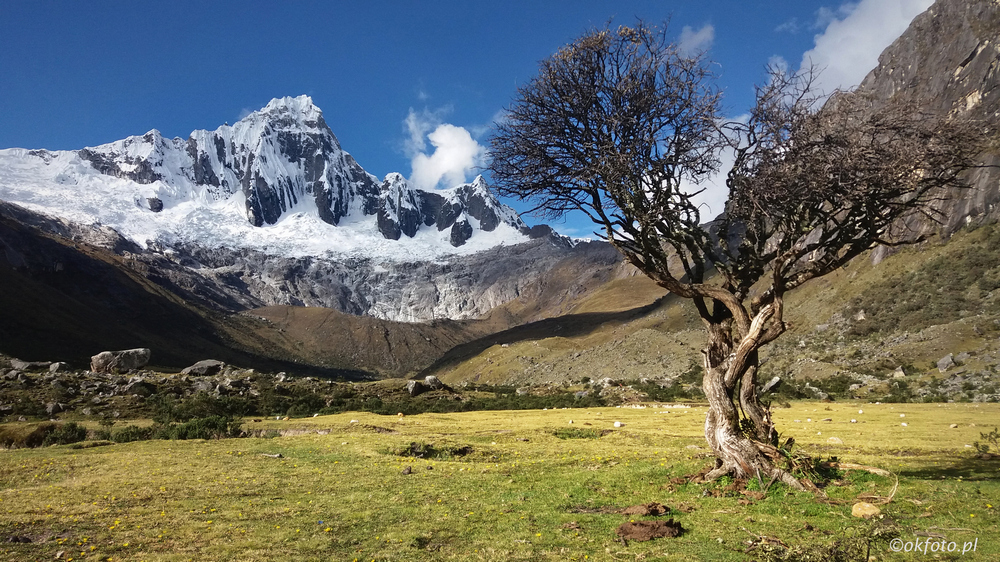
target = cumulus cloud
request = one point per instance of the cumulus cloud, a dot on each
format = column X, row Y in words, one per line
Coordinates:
column 693, row 42
column 454, row 154
column 853, row 36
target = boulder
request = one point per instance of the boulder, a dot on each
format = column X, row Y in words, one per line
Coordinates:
column 771, row 385
column 57, row 366
column 29, row 365
column 206, row 367
column 433, row 382
column 946, row 362
column 139, row 387
column 415, row 388
column 125, row 360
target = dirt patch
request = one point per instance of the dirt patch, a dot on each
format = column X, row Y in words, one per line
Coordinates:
column 420, row 450
column 651, row 508
column 603, row 509
column 378, row 429
column 649, row 530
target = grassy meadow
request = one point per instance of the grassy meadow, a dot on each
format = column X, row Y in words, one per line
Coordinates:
column 524, row 485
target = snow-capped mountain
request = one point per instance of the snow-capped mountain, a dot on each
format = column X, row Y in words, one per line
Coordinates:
column 277, row 181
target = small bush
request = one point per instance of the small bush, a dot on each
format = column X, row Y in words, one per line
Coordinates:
column 131, row 433
column 65, row 434
column 575, row 433
column 212, row 427
column 991, row 438
column 422, row 450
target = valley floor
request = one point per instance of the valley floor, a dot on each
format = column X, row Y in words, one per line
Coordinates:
column 505, row 485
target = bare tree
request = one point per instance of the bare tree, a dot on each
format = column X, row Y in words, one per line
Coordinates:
column 620, row 124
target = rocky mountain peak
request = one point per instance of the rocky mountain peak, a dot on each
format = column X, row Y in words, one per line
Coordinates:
column 280, row 162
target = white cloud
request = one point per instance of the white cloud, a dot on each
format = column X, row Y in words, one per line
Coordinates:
column 455, row 152
column 694, row 42
column 791, row 26
column 853, row 37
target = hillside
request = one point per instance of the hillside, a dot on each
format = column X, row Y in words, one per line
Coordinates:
column 848, row 333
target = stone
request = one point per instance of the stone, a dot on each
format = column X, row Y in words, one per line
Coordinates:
column 835, row 440
column 139, row 387
column 961, row 358
column 53, row 408
column 415, row 388
column 29, row 365
column 433, row 382
column 771, row 385
column 899, row 373
column 946, row 362
column 205, row 367
column 619, row 424
column 865, row 510
column 953, row 426
column 120, row 361
column 57, row 366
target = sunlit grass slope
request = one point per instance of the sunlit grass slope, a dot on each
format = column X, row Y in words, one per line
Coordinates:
column 491, row 486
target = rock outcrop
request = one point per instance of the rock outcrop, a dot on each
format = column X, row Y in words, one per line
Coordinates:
column 120, row 361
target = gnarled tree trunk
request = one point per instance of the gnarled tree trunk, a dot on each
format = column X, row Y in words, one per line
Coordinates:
column 737, row 452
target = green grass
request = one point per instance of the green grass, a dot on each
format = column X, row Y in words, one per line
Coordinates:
column 516, row 491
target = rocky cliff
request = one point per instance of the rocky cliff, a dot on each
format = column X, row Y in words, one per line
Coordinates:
column 948, row 61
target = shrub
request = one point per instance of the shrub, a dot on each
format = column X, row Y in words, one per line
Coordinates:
column 575, row 433
column 212, row 427
column 991, row 438
column 131, row 433
column 66, row 433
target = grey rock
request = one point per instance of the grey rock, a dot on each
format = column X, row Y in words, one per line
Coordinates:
column 818, row 393
column 206, row 367
column 415, row 388
column 29, row 365
column 433, row 382
column 125, row 360
column 899, row 373
column 946, row 362
column 53, row 408
column 961, row 358
column 771, row 385
column 57, row 366
column 140, row 388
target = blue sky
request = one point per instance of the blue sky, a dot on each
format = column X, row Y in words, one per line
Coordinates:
column 409, row 87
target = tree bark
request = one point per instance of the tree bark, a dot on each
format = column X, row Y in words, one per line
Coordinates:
column 736, row 453
column 753, row 410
